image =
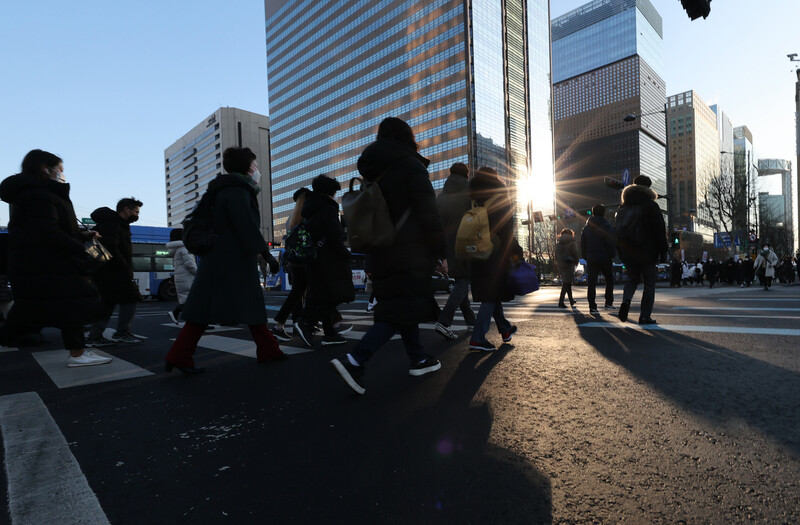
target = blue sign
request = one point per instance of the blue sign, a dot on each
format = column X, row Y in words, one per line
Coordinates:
column 626, row 176
column 722, row 240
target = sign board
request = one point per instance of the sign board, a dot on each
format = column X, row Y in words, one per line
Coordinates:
column 705, row 256
column 722, row 240
column 626, row 176
column 88, row 221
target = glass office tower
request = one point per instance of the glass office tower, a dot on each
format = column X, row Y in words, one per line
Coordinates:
column 607, row 63
column 472, row 78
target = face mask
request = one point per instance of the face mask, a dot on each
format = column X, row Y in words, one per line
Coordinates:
column 132, row 219
column 59, row 176
column 256, row 176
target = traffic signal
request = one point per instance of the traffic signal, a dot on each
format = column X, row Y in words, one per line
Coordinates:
column 613, row 183
column 675, row 239
column 273, row 244
column 697, row 8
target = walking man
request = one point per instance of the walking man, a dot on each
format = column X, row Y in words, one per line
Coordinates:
column 115, row 279
column 641, row 241
column 452, row 203
column 597, row 247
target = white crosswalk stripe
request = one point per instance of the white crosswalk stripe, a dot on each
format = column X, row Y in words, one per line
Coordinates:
column 54, row 363
column 240, row 347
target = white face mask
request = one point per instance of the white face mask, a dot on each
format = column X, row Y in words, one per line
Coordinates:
column 256, row 175
column 59, row 176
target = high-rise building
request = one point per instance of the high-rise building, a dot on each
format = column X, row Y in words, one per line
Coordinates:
column 607, row 65
column 777, row 210
column 472, row 78
column 193, row 161
column 745, row 171
column 694, row 156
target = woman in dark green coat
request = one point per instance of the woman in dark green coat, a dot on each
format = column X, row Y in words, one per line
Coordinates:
column 227, row 289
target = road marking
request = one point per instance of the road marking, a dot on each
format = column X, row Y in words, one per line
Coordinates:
column 241, row 347
column 217, row 328
column 752, row 299
column 54, row 363
column 8, row 349
column 696, row 328
column 737, row 308
column 45, row 482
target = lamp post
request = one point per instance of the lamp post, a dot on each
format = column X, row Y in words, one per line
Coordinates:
column 630, row 118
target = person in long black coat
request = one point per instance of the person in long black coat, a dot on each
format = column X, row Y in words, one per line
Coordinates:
column 115, row 279
column 47, row 263
column 489, row 279
column 330, row 279
column 402, row 272
column 227, row 289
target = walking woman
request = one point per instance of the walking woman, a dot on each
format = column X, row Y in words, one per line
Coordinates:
column 47, row 263
column 567, row 255
column 184, row 269
column 293, row 304
column 227, row 289
column 489, row 279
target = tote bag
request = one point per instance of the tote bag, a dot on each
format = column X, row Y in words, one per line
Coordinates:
column 523, row 280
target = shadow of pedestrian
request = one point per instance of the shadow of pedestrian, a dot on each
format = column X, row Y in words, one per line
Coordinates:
column 714, row 382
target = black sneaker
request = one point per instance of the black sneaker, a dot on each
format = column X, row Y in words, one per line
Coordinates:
column 281, row 334
column 623, row 311
column 508, row 335
column 648, row 320
column 593, row 310
column 304, row 331
column 352, row 375
column 482, row 346
column 335, row 339
column 426, row 366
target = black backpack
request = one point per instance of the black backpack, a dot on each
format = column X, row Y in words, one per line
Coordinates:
column 629, row 228
column 300, row 247
column 198, row 226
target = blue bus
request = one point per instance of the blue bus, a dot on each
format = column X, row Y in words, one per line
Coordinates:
column 152, row 263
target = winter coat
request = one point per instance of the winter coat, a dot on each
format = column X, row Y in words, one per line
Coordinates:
column 115, row 279
column 330, row 278
column 46, row 258
column 655, row 245
column 185, row 268
column 489, row 279
column 452, row 203
column 226, row 289
column 402, row 273
column 597, row 241
column 567, row 256
column 768, row 262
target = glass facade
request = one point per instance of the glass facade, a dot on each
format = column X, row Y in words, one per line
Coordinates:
column 337, row 68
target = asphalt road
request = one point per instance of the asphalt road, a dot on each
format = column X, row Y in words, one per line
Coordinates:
column 579, row 419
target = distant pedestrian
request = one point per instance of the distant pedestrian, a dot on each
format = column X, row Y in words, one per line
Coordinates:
column 597, row 247
column 402, row 272
column 452, row 203
column 676, row 272
column 567, row 256
column 184, row 267
column 764, row 266
column 115, row 279
column 330, row 279
column 293, row 304
column 712, row 271
column 47, row 264
column 749, row 270
column 489, row 279
column 642, row 242
column 226, row 289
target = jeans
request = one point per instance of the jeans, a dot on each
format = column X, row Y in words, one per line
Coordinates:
column 646, row 274
column 380, row 333
column 485, row 314
column 458, row 299
column 596, row 268
column 127, row 312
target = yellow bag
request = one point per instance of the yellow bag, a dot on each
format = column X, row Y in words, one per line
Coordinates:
column 474, row 236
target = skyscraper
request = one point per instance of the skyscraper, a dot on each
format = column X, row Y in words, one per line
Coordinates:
column 606, row 65
column 472, row 78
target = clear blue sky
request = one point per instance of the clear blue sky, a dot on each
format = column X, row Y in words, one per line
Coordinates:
column 108, row 85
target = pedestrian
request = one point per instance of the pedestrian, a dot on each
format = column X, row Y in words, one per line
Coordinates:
column 687, row 277
column 452, row 203
column 226, row 289
column 567, row 256
column 293, row 304
column 699, row 272
column 489, row 279
column 115, row 279
column 330, row 278
column 712, row 270
column 641, row 254
column 184, row 267
column 764, row 266
column 47, row 263
column 597, row 248
column 402, row 272
column 676, row 271
column 749, row 270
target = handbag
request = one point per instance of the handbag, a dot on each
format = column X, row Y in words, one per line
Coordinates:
column 523, row 279
column 96, row 255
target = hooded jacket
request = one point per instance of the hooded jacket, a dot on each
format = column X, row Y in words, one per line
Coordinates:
column 185, row 268
column 597, row 241
column 655, row 245
column 452, row 203
column 402, row 273
column 567, row 256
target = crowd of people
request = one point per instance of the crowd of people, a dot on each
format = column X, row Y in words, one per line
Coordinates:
column 743, row 272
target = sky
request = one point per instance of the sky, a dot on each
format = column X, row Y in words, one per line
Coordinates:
column 108, row 85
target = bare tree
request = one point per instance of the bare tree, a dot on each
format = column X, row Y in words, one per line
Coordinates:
column 543, row 249
column 727, row 199
column 775, row 232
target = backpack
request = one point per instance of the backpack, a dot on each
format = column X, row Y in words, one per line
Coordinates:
column 366, row 216
column 300, row 247
column 474, row 235
column 198, row 226
column 629, row 226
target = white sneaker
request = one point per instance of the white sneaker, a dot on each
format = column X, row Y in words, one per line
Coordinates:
column 444, row 331
column 173, row 318
column 88, row 358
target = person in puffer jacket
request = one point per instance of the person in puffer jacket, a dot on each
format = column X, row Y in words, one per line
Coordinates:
column 185, row 268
